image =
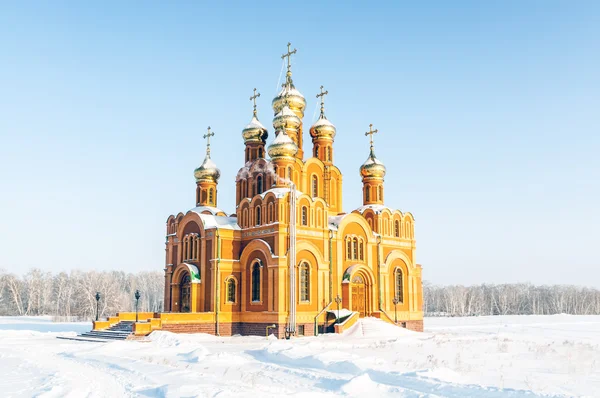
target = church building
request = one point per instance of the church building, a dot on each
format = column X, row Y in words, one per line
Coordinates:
column 289, row 257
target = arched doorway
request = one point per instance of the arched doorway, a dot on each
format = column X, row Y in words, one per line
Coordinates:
column 185, row 291
column 359, row 295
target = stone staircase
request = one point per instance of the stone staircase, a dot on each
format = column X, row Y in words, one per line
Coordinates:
column 120, row 331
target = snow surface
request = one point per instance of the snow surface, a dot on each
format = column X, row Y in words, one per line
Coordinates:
column 504, row 356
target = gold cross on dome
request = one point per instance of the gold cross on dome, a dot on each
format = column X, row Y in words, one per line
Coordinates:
column 253, row 99
column 322, row 95
column 289, row 61
column 371, row 132
column 207, row 136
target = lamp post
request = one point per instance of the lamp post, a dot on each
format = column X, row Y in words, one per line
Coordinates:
column 97, row 303
column 338, row 300
column 395, row 301
column 137, row 300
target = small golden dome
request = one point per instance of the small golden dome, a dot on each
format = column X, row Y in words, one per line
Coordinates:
column 207, row 171
column 286, row 118
column 372, row 167
column 255, row 132
column 323, row 128
column 282, row 146
column 295, row 100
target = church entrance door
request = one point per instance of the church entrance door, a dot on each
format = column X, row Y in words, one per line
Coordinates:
column 359, row 296
column 185, row 289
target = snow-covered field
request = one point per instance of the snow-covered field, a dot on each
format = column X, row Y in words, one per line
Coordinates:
column 509, row 356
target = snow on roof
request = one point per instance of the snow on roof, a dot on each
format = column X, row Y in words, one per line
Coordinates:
column 279, row 192
column 376, row 208
column 220, row 222
column 343, row 312
column 213, row 210
column 289, row 91
column 335, row 221
column 254, row 123
column 286, row 111
column 322, row 121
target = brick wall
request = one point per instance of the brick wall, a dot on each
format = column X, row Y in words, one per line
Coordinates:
column 230, row 329
column 417, row 326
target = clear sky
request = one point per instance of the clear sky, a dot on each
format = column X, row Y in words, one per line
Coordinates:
column 488, row 112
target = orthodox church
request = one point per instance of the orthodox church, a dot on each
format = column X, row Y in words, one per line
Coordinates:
column 289, row 258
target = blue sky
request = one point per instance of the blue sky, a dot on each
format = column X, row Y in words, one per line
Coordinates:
column 488, row 115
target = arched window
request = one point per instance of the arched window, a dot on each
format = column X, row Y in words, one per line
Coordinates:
column 316, row 151
column 361, row 251
column 380, row 193
column 304, row 281
column 289, row 173
column 231, row 290
column 399, row 285
column 257, row 212
column 348, row 248
column 256, row 282
column 354, row 248
column 260, row 152
column 315, row 186
column 304, row 215
column 211, row 196
column 203, row 196
column 259, row 185
column 328, row 154
column 367, row 193
column 397, row 229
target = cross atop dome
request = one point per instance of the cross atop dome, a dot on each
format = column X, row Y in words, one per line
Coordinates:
column 288, row 55
column 322, row 95
column 253, row 99
column 371, row 132
column 207, row 136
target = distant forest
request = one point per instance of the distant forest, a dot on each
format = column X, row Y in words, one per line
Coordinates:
column 72, row 295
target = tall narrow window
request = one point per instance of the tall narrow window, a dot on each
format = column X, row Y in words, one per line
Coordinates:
column 315, row 186
column 259, row 185
column 257, row 212
column 289, row 173
column 380, row 193
column 304, row 281
column 354, row 248
column 260, row 152
column 317, row 151
column 399, row 286
column 397, row 229
column 211, row 196
column 231, row 290
column 204, row 196
column 328, row 154
column 348, row 248
column 304, row 215
column 256, row 282
column 367, row 193
column 361, row 251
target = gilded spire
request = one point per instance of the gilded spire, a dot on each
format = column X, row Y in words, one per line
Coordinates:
column 288, row 55
column 207, row 136
column 253, row 99
column 322, row 95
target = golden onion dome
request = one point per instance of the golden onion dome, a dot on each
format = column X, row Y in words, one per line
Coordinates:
column 255, row 132
column 207, row 171
column 294, row 99
column 372, row 167
column 323, row 128
column 282, row 146
column 286, row 118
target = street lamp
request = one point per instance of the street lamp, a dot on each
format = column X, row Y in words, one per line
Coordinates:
column 395, row 301
column 97, row 303
column 338, row 300
column 137, row 300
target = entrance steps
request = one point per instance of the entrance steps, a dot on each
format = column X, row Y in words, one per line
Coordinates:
column 120, row 331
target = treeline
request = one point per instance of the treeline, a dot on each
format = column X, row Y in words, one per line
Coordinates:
column 509, row 299
column 73, row 294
